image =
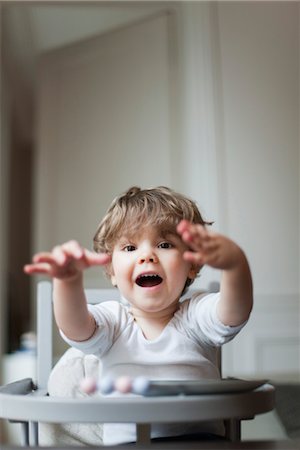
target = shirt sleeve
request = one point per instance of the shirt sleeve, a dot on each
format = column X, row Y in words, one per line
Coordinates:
column 109, row 317
column 202, row 314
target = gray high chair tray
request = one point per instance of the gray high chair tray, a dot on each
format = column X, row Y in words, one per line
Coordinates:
column 201, row 387
column 27, row 405
column 27, row 402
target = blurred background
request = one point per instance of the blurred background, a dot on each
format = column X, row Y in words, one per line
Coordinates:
column 199, row 96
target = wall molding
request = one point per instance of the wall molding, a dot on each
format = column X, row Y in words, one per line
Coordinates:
column 269, row 345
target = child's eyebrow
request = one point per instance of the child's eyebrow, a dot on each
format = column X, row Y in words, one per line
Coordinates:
column 168, row 235
column 126, row 239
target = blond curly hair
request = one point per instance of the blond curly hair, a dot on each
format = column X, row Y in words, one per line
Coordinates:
column 159, row 207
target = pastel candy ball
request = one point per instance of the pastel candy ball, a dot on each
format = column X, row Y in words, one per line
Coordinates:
column 123, row 384
column 88, row 385
column 140, row 385
column 106, row 385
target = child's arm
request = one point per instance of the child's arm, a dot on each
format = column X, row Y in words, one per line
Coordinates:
column 65, row 265
column 216, row 250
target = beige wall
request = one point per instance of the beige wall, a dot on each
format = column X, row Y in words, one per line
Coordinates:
column 260, row 82
column 260, row 91
column 103, row 126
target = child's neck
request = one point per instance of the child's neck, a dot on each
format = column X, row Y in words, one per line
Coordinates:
column 153, row 324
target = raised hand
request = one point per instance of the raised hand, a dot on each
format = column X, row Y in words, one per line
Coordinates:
column 66, row 261
column 218, row 251
column 208, row 247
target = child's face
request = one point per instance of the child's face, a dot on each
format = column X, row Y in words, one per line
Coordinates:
column 149, row 269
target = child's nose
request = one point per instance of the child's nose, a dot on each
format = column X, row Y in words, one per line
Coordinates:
column 148, row 257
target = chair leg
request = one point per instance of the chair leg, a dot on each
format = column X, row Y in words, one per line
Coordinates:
column 143, row 433
column 233, row 430
column 25, row 434
column 34, row 434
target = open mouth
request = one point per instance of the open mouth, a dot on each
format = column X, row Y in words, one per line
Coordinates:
column 148, row 280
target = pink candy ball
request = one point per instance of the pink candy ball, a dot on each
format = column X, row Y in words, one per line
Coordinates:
column 123, row 384
column 88, row 385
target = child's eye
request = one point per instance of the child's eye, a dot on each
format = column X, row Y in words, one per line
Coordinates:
column 129, row 248
column 165, row 245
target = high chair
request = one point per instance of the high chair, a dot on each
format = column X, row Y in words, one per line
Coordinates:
column 27, row 401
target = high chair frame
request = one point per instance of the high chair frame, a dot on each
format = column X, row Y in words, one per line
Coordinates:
column 27, row 402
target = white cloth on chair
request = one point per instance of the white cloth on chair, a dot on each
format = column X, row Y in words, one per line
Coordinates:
column 64, row 381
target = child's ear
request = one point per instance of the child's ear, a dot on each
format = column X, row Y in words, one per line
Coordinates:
column 110, row 274
column 113, row 280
